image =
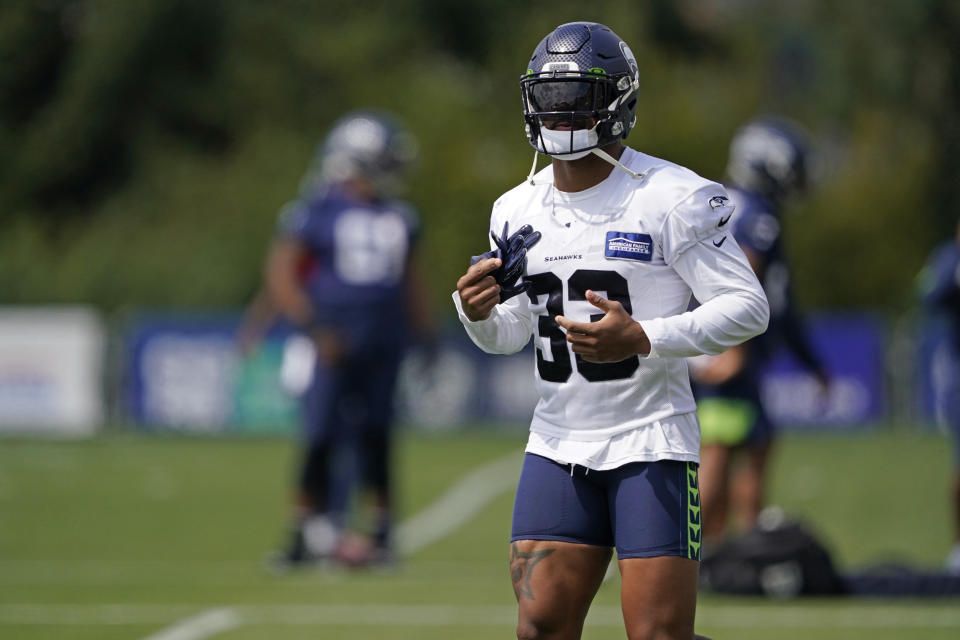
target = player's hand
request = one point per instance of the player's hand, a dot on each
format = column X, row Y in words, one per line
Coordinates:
column 512, row 250
column 615, row 337
column 478, row 289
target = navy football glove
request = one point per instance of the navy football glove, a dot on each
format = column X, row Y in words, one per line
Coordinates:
column 512, row 251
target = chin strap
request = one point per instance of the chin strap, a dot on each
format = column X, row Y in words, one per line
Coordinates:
column 600, row 153
column 609, row 158
column 533, row 169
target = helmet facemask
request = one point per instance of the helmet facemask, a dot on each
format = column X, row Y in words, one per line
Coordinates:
column 580, row 93
column 568, row 114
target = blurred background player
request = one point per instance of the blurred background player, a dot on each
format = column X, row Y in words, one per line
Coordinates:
column 343, row 270
column 940, row 288
column 767, row 166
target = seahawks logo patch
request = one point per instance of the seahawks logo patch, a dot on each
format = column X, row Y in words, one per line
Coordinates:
column 718, row 202
column 629, row 246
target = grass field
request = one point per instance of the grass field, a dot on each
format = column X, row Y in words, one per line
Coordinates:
column 163, row 537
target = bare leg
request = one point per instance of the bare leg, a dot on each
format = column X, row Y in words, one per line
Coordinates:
column 555, row 582
column 714, row 490
column 659, row 597
column 749, row 486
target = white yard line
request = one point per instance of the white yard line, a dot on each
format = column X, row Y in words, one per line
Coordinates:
column 383, row 615
column 806, row 614
column 727, row 617
column 452, row 510
column 459, row 504
column 844, row 613
column 92, row 614
column 205, row 624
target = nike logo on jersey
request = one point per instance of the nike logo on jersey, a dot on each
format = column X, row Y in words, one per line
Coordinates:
column 721, row 202
column 720, row 243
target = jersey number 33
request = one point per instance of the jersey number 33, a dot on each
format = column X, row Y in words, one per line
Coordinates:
column 549, row 285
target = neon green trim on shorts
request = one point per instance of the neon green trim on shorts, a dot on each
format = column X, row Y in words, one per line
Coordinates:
column 694, row 522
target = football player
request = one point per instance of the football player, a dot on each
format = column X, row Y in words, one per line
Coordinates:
column 940, row 288
column 364, row 285
column 767, row 166
column 612, row 243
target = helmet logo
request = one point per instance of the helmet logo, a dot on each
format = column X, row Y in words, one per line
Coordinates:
column 631, row 59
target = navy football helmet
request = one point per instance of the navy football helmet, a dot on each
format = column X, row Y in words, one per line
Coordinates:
column 579, row 91
column 364, row 144
column 769, row 156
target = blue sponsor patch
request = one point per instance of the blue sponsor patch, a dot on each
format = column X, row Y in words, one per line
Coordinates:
column 629, row 246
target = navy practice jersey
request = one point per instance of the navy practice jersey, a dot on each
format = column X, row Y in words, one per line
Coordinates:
column 757, row 229
column 360, row 251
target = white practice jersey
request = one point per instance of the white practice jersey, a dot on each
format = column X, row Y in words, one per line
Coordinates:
column 648, row 243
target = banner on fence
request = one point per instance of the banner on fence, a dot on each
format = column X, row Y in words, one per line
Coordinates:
column 187, row 373
column 51, row 370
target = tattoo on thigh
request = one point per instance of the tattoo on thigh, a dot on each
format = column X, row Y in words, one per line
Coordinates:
column 521, row 566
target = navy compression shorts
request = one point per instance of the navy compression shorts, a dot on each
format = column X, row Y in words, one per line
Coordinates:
column 644, row 509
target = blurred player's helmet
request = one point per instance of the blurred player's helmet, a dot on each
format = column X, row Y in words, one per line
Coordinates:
column 368, row 145
column 579, row 91
column 769, row 156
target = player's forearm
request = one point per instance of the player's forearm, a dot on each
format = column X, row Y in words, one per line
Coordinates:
column 724, row 321
column 502, row 332
column 288, row 298
column 733, row 305
column 280, row 275
column 419, row 309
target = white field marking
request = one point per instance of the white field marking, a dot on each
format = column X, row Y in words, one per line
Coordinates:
column 459, row 504
column 833, row 614
column 806, row 614
column 91, row 615
column 384, row 615
column 454, row 508
column 738, row 617
column 106, row 572
column 441, row 518
column 202, row 625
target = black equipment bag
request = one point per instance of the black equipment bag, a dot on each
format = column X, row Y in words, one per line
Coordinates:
column 784, row 560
